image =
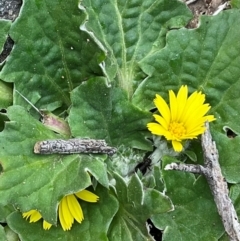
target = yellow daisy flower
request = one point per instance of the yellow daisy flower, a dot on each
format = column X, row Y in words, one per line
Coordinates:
column 183, row 119
column 69, row 209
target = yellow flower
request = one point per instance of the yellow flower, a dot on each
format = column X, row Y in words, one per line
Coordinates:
column 183, row 119
column 69, row 209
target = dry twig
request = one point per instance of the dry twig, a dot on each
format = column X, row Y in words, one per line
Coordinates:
column 218, row 185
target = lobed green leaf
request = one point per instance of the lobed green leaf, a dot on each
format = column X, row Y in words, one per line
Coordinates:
column 31, row 181
column 205, row 58
column 131, row 31
column 51, row 55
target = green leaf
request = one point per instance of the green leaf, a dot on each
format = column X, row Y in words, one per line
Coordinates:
column 154, row 179
column 135, row 191
column 130, row 31
column 227, row 113
column 10, row 235
column 6, row 96
column 205, row 58
column 97, row 218
column 235, row 196
column 31, row 181
column 191, row 155
column 51, row 56
column 235, row 3
column 5, row 89
column 103, row 112
column 2, row 234
column 225, row 237
column 229, row 152
column 195, row 215
column 125, row 161
column 4, row 28
column 5, row 211
column 136, row 206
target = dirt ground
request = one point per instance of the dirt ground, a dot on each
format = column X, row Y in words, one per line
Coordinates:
column 205, row 7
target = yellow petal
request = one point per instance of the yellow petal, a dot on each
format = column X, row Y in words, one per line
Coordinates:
column 75, row 208
column 46, row 225
column 177, row 146
column 181, row 100
column 61, row 218
column 28, row 214
column 87, row 196
column 210, row 118
column 195, row 133
column 65, row 217
column 156, row 129
column 173, row 106
column 193, row 102
column 162, row 108
column 199, row 112
column 161, row 121
column 197, row 98
column 197, row 123
column 35, row 216
column 62, row 221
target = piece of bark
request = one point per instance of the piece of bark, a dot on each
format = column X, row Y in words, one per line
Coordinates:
column 73, row 146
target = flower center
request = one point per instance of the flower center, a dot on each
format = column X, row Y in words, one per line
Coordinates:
column 177, row 130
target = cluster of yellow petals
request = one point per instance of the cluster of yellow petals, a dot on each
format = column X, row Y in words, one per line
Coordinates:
column 34, row 216
column 183, row 119
column 69, row 210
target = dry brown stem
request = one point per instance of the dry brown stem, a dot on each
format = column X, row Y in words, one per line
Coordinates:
column 218, row 185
